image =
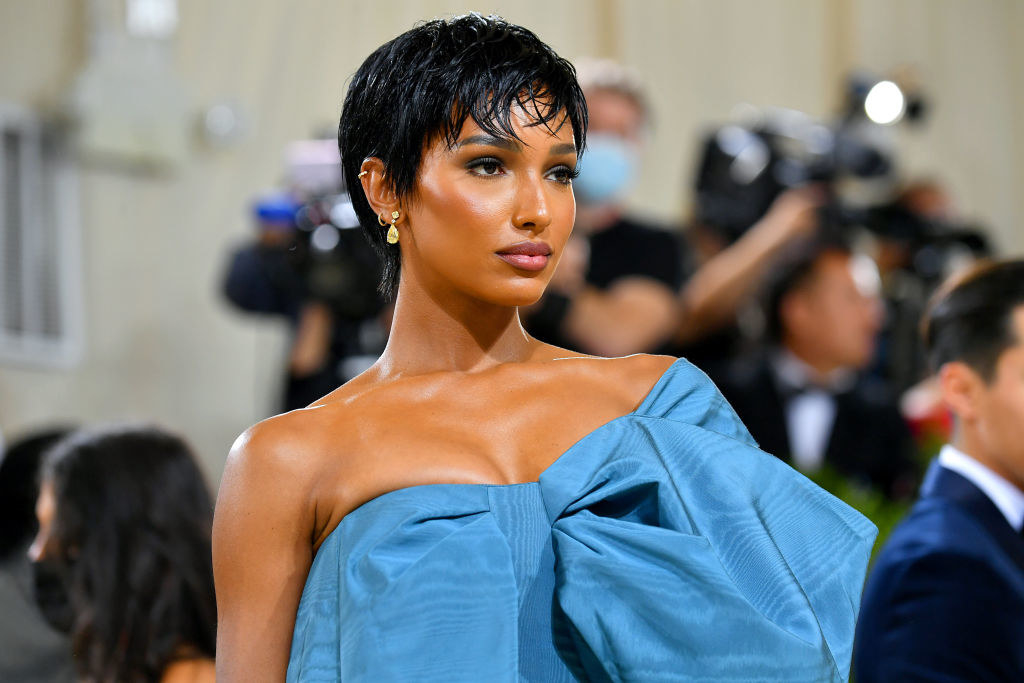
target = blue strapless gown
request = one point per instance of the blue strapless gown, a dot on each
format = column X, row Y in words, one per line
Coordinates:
column 663, row 546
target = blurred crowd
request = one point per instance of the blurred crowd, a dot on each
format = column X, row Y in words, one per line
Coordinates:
column 802, row 306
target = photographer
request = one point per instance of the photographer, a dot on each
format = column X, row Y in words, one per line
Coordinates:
column 615, row 290
column 319, row 277
column 919, row 241
column 730, row 273
column 619, row 288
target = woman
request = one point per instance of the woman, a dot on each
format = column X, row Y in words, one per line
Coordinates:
column 123, row 555
column 482, row 506
column 31, row 650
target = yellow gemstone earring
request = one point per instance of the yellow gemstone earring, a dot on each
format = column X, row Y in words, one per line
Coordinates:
column 393, row 231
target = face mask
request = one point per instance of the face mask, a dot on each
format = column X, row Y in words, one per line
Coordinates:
column 606, row 169
column 52, row 596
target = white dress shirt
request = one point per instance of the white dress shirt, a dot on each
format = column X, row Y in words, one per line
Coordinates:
column 810, row 414
column 1004, row 495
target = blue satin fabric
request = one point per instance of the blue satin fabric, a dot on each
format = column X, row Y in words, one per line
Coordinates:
column 662, row 546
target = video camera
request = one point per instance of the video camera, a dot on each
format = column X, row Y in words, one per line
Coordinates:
column 326, row 250
column 745, row 167
column 335, row 260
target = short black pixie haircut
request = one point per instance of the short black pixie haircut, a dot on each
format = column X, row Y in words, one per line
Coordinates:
column 970, row 318
column 423, row 86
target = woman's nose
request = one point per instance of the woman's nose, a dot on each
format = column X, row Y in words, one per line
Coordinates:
column 531, row 208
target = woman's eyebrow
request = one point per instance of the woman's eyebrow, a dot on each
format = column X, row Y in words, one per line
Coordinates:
column 510, row 144
column 490, row 140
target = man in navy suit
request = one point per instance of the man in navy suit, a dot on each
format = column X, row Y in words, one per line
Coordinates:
column 945, row 601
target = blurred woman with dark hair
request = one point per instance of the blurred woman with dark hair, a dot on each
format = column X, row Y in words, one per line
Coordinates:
column 124, row 538
column 30, row 650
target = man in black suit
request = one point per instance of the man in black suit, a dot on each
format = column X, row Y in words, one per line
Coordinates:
column 804, row 398
column 945, row 601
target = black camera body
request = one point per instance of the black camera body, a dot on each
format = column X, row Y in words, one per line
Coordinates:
column 334, row 259
column 743, row 169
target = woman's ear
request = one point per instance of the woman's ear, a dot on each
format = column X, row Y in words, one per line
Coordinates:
column 377, row 187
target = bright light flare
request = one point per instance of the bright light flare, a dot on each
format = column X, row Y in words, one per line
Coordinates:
column 325, row 237
column 885, row 103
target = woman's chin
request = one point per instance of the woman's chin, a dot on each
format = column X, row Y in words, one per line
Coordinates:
column 517, row 295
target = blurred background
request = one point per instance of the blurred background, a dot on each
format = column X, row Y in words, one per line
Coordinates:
column 147, row 141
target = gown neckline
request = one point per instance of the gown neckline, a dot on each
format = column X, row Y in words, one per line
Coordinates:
column 638, row 410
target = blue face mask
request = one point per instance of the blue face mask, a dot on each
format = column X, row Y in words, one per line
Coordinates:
column 607, row 167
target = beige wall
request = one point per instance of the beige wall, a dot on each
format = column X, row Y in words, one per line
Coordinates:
column 160, row 343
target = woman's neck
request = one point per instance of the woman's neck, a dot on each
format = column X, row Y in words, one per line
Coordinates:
column 434, row 333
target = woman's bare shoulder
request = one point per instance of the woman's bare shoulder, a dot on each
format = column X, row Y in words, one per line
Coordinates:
column 308, row 461
column 599, row 388
column 283, row 442
column 628, row 378
column 281, row 463
column 298, row 440
column 646, row 367
column 640, row 367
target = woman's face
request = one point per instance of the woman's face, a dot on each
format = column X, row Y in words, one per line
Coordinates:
column 489, row 216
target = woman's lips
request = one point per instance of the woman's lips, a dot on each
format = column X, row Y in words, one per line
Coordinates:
column 525, row 261
column 526, row 255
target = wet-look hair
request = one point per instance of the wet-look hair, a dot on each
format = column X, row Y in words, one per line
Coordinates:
column 423, row 86
column 970, row 318
column 131, row 538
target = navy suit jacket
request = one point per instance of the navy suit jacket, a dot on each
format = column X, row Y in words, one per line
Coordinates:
column 945, row 600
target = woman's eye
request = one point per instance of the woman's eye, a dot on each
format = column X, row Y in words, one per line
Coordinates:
column 485, row 167
column 564, row 174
